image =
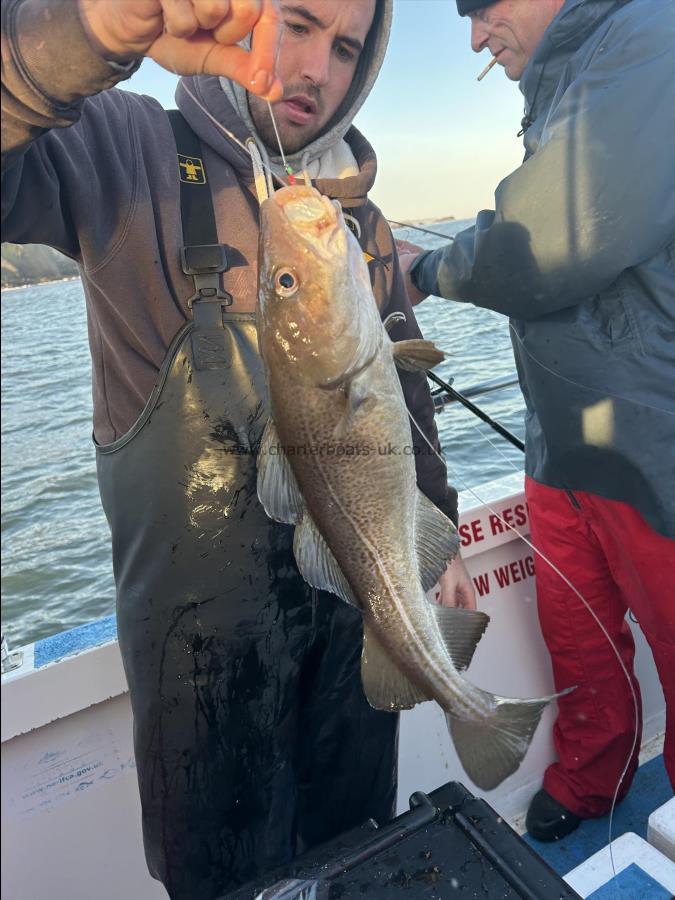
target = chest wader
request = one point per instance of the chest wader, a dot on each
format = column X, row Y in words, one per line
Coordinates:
column 252, row 736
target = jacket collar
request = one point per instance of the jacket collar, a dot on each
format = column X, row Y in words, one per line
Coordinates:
column 570, row 29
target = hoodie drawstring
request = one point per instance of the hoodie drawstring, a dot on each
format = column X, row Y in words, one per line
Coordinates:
column 304, row 162
column 354, row 222
column 263, row 184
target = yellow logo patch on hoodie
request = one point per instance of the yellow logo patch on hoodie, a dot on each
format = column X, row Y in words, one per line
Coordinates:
column 191, row 169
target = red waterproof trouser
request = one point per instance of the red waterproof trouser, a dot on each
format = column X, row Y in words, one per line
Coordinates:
column 617, row 562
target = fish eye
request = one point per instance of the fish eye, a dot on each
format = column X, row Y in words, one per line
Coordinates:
column 285, row 283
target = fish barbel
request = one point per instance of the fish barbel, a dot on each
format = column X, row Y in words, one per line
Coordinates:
column 336, row 461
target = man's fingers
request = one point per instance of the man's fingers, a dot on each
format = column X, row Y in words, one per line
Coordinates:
column 456, row 586
column 240, row 20
column 255, row 69
column 212, row 13
column 468, row 600
column 408, row 247
column 236, row 64
column 187, row 48
column 228, row 20
column 180, row 20
column 265, row 43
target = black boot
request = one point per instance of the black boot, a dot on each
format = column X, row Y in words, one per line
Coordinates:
column 548, row 820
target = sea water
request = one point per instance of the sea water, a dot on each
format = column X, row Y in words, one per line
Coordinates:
column 56, row 559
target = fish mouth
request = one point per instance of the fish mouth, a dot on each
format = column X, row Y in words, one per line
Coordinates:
column 305, row 210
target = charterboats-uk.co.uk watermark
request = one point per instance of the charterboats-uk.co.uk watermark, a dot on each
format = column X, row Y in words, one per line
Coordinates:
column 338, row 450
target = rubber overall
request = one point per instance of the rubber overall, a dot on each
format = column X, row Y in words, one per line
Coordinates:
column 252, row 735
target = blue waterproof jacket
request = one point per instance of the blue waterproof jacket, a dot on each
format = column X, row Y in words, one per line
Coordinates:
column 580, row 253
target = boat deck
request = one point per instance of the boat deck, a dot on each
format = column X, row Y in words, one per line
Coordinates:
column 69, row 785
column 650, row 790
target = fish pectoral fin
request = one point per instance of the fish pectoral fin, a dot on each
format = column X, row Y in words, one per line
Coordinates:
column 316, row 562
column 436, row 541
column 461, row 630
column 492, row 748
column 416, row 355
column 359, row 399
column 384, row 684
column 278, row 490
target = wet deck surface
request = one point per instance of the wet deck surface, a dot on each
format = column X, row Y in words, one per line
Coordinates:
column 651, row 788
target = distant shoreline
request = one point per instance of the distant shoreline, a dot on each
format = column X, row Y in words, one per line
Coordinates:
column 27, row 284
column 27, row 265
column 433, row 221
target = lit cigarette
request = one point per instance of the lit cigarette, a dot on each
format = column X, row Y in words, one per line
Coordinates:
column 487, row 68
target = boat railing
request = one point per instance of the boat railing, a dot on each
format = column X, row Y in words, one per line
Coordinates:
column 446, row 393
column 442, row 398
column 10, row 661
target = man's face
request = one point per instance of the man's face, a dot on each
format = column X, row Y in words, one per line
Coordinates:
column 321, row 45
column 511, row 30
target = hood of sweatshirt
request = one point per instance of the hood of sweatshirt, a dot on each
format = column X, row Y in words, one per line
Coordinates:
column 214, row 106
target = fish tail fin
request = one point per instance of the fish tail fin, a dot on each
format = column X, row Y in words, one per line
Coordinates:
column 493, row 747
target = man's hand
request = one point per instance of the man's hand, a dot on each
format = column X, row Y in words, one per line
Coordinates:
column 407, row 254
column 192, row 37
column 456, row 586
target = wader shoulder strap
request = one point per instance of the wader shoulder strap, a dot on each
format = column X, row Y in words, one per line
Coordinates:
column 202, row 256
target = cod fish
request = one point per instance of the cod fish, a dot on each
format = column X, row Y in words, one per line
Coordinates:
column 335, row 460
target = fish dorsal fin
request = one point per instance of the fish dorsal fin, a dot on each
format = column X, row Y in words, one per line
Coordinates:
column 416, row 355
column 436, row 541
column 316, row 562
column 278, row 490
column 461, row 629
column 384, row 684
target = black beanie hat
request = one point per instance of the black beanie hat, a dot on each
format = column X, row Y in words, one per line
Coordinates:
column 467, row 6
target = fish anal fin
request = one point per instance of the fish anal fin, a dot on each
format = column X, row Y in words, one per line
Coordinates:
column 461, row 630
column 384, row 684
column 278, row 490
column 436, row 541
column 416, row 355
column 316, row 562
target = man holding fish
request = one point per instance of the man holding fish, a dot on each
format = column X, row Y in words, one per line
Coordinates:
column 579, row 252
column 253, row 736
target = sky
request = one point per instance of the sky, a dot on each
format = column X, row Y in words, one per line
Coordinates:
column 443, row 140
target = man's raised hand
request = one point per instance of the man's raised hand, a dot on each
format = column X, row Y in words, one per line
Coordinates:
column 192, row 37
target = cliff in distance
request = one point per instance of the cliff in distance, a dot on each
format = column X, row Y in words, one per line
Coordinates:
column 34, row 263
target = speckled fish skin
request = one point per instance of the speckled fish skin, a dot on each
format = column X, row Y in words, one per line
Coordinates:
column 342, row 422
column 363, row 495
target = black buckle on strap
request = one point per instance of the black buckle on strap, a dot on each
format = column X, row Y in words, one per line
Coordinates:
column 205, row 262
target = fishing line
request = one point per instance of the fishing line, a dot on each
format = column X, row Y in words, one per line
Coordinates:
column 476, row 410
column 588, row 608
column 586, row 387
column 495, row 446
column 538, row 552
column 276, row 132
column 446, row 237
column 226, row 131
column 287, row 169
